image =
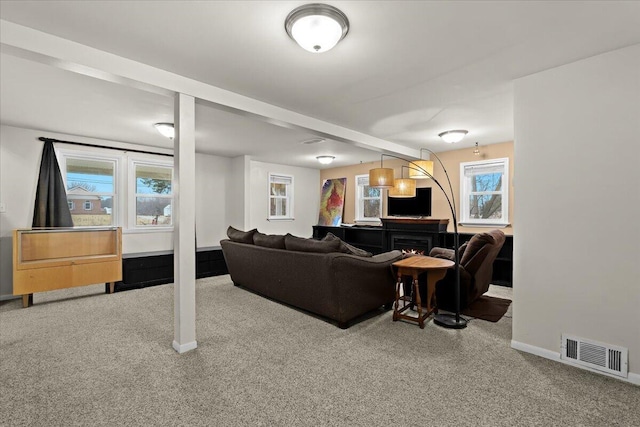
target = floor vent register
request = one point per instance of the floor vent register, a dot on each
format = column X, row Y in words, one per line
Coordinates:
column 595, row 355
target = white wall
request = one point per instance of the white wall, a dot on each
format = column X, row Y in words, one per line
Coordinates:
column 212, row 178
column 20, row 153
column 238, row 193
column 577, row 252
column 306, row 203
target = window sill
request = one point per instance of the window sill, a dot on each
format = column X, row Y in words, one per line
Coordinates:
column 147, row 230
column 368, row 221
column 281, row 219
column 484, row 224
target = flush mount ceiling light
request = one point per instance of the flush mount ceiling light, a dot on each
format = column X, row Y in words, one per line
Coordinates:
column 453, row 136
column 316, row 27
column 325, row 160
column 166, row 129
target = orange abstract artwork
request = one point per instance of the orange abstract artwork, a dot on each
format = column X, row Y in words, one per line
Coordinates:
column 332, row 201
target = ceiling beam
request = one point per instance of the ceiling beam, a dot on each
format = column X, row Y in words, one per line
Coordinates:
column 37, row 46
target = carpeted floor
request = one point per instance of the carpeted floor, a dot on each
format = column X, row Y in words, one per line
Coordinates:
column 80, row 357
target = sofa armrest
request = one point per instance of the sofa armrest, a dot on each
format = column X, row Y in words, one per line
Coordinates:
column 445, row 253
column 386, row 257
column 362, row 284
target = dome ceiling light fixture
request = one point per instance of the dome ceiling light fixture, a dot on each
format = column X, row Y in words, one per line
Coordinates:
column 325, row 160
column 316, row 27
column 166, row 129
column 453, row 136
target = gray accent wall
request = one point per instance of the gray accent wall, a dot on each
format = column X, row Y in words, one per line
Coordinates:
column 577, row 197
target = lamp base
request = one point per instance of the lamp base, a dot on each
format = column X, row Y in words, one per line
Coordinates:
column 449, row 321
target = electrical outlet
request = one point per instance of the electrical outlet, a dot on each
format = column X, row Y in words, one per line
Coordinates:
column 3, row 208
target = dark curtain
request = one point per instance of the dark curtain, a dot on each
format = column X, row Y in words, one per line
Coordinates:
column 51, row 208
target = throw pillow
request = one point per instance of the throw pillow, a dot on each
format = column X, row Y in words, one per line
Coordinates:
column 294, row 243
column 474, row 245
column 275, row 241
column 346, row 247
column 239, row 236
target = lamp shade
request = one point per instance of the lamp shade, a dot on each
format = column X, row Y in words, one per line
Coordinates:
column 381, row 178
column 166, row 129
column 426, row 165
column 403, row 187
column 316, row 27
column 453, row 136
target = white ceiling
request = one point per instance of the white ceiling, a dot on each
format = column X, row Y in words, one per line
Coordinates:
column 405, row 72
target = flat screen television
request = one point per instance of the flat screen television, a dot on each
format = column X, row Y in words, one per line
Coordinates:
column 411, row 206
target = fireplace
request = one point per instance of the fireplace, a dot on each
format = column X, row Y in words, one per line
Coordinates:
column 417, row 244
column 414, row 235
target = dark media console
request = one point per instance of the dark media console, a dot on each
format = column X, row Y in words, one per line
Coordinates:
column 416, row 235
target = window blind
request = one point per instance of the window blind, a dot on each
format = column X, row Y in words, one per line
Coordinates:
column 487, row 168
column 363, row 180
column 280, row 179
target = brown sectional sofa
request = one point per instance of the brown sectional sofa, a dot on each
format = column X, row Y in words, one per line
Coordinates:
column 335, row 285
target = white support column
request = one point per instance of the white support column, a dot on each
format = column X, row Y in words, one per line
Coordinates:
column 184, row 241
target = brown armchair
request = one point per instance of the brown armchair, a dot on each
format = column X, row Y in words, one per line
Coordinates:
column 476, row 268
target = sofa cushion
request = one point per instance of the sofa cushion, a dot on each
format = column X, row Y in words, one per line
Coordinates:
column 239, row 236
column 346, row 247
column 294, row 243
column 474, row 245
column 275, row 241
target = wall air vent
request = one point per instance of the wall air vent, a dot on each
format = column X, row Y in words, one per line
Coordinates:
column 594, row 355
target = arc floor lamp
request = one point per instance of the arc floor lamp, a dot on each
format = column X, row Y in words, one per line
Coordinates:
column 422, row 169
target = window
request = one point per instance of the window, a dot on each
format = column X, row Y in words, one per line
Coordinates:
column 484, row 190
column 152, row 198
column 280, row 196
column 92, row 183
column 368, row 200
column 102, row 193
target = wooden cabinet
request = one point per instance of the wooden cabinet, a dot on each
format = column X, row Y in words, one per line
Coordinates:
column 58, row 258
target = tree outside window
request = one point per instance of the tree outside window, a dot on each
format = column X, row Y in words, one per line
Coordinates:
column 368, row 200
column 153, row 195
column 484, row 192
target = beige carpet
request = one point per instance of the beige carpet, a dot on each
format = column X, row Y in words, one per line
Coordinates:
column 80, row 357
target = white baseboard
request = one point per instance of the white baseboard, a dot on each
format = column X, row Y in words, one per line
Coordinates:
column 555, row 356
column 183, row 348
